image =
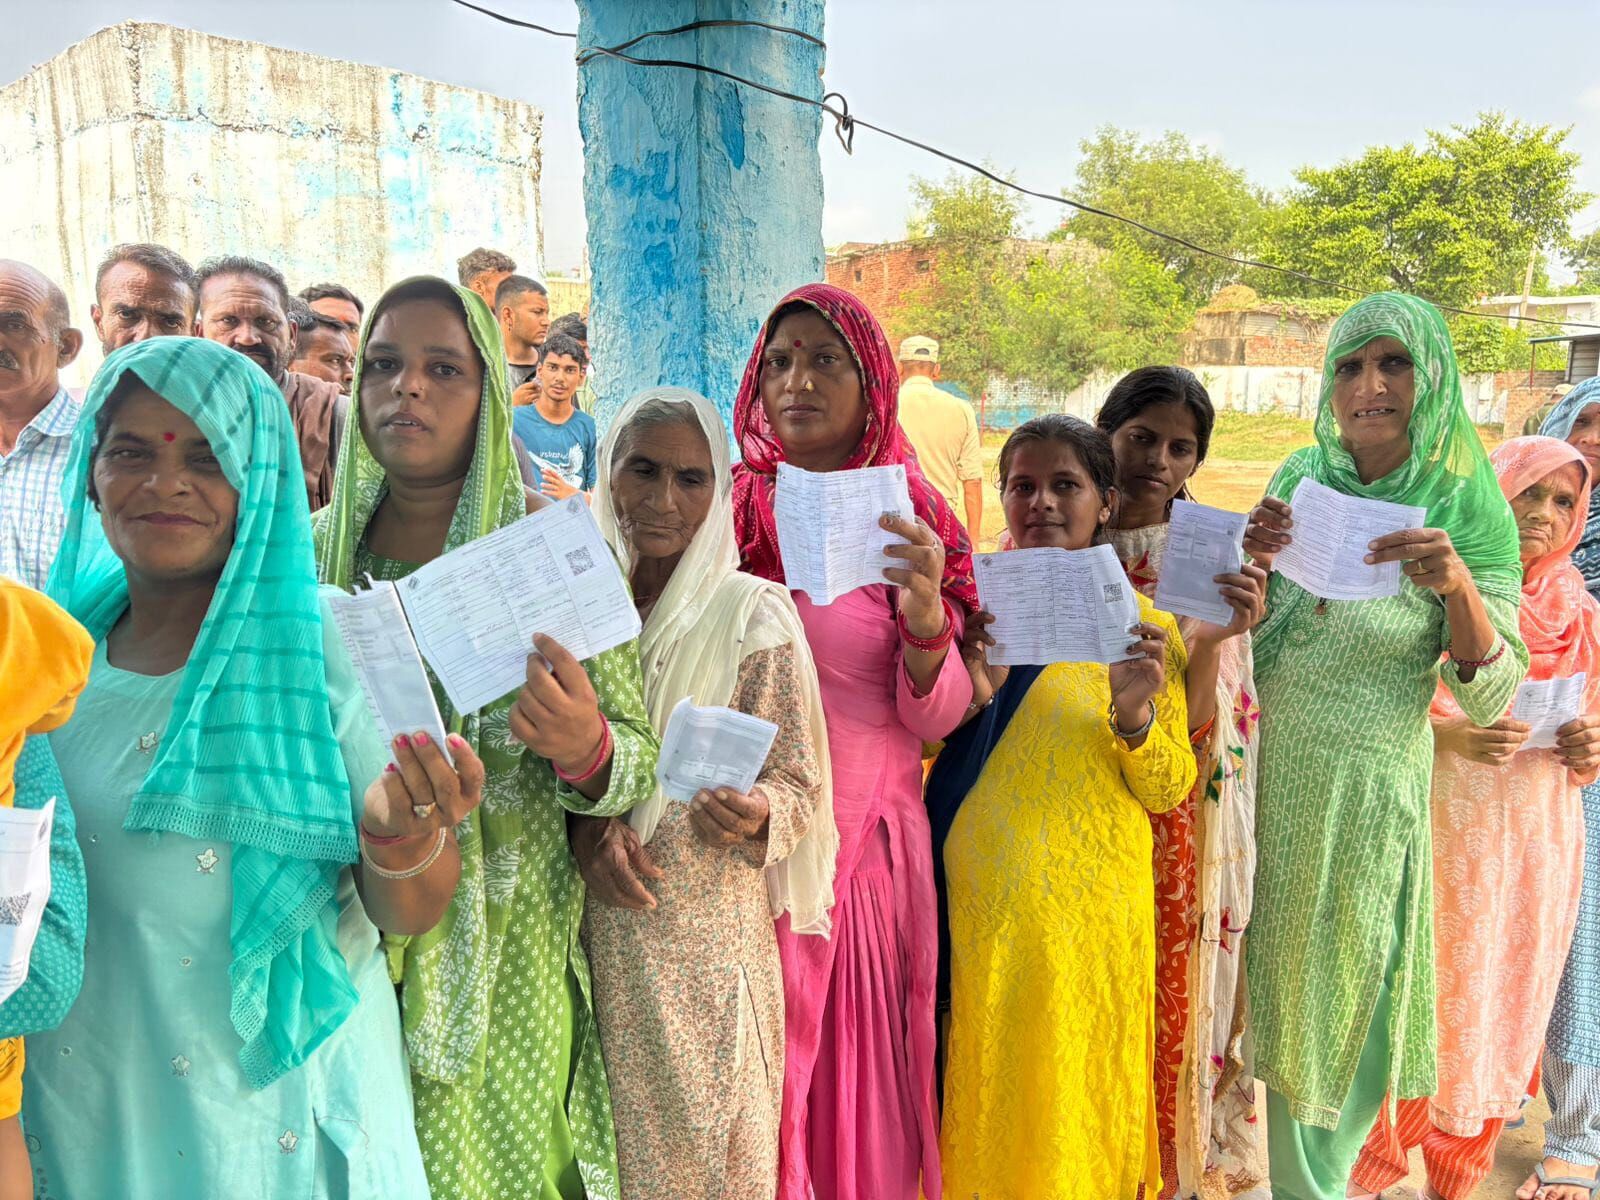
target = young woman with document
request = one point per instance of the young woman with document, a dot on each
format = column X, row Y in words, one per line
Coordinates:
column 1159, row 420
column 1041, row 810
column 1341, row 943
column 679, row 917
column 1507, row 815
column 236, row 1031
column 820, row 392
column 510, row 1087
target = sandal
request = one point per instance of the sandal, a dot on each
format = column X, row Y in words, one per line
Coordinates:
column 1590, row 1185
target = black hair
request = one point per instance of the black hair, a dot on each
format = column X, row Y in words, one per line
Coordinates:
column 572, row 324
column 1148, row 386
column 332, row 291
column 426, row 287
column 513, row 286
column 1091, row 445
column 238, row 264
column 560, row 343
column 103, row 417
column 480, row 261
column 152, row 257
column 313, row 322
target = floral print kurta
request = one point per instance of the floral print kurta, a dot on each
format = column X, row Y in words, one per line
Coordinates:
column 689, row 996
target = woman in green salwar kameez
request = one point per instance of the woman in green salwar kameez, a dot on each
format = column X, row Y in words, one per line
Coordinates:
column 1341, row 966
column 511, row 1095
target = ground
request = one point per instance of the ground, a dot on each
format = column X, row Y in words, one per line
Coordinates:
column 1245, row 450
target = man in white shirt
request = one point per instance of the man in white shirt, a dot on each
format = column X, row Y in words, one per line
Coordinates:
column 37, row 418
column 943, row 432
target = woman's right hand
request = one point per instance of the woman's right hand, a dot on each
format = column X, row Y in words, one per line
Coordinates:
column 1268, row 531
column 420, row 791
column 1492, row 747
column 986, row 680
column 613, row 861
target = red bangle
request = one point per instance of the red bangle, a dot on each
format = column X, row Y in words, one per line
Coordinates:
column 936, row 643
column 600, row 757
column 1478, row 664
column 373, row 839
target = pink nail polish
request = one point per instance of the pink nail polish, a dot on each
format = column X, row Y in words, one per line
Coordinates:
column 402, row 740
column 422, row 739
column 391, row 767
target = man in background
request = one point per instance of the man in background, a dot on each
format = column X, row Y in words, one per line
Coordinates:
column 483, row 271
column 335, row 301
column 244, row 304
column 575, row 327
column 560, row 439
column 37, row 417
column 141, row 290
column 523, row 306
column 943, row 431
column 324, row 349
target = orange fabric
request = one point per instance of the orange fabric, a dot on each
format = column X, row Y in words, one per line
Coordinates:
column 1173, row 858
column 44, row 663
column 11, row 1064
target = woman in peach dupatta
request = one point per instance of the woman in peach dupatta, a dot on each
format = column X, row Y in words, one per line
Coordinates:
column 1507, row 852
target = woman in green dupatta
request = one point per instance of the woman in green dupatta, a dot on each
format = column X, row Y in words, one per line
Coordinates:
column 511, row 1093
column 1341, row 963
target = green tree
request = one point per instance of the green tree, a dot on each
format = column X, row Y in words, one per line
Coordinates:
column 1452, row 220
column 1583, row 256
column 1173, row 185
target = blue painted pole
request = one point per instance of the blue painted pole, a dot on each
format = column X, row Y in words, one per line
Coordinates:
column 704, row 197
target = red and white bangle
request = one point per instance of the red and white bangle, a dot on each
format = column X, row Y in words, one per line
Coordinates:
column 601, row 757
column 936, row 643
column 1479, row 664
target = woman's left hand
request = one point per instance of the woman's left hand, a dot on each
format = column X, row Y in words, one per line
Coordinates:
column 556, row 714
column 1246, row 593
column 420, row 791
column 1578, row 744
column 1428, row 557
column 922, row 601
column 1134, row 683
column 724, row 817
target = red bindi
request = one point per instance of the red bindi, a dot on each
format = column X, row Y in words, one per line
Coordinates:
column 169, row 437
column 798, row 343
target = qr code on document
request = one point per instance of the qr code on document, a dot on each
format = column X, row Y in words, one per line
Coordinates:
column 580, row 561
column 13, row 908
column 1113, row 593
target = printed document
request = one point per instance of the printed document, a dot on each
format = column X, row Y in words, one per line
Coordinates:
column 1202, row 543
column 1547, row 705
column 1052, row 605
column 1329, row 541
column 24, row 887
column 828, row 531
column 711, row 748
column 378, row 638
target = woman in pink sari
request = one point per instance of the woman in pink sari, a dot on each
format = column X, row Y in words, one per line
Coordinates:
column 1507, row 852
column 820, row 393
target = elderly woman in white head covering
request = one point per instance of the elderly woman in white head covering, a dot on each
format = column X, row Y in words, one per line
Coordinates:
column 682, row 897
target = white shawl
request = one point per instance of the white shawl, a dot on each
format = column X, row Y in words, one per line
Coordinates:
column 710, row 617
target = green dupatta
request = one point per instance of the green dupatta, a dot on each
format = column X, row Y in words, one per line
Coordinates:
column 249, row 754
column 1448, row 473
column 448, row 973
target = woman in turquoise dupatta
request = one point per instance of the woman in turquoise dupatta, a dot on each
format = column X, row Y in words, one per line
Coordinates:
column 235, row 1033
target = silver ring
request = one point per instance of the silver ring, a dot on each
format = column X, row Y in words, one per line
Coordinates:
column 423, row 811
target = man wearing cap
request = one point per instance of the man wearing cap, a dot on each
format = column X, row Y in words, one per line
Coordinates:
column 943, row 432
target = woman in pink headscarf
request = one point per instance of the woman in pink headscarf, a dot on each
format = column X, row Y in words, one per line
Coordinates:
column 820, row 392
column 1507, row 852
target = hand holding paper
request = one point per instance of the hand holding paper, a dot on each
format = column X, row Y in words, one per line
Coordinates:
column 1202, row 543
column 830, row 532
column 1330, row 552
column 1052, row 605
column 556, row 714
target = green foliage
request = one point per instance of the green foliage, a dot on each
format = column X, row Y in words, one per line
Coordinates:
column 1173, row 185
column 1453, row 220
column 1483, row 345
column 1583, row 256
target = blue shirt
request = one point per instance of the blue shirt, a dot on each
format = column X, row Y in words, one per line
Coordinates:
column 32, row 515
column 568, row 449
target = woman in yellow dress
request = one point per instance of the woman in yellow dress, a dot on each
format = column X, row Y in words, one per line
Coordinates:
column 1041, row 804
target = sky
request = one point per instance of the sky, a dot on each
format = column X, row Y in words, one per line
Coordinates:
column 1269, row 84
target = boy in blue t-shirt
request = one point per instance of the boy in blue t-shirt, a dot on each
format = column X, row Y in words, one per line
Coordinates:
column 560, row 439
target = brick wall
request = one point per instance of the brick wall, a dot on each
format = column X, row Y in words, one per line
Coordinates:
column 1523, row 398
column 886, row 277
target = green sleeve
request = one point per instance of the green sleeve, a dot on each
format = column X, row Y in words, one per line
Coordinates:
column 619, row 687
column 1487, row 697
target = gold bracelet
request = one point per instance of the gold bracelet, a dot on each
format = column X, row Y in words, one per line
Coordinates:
column 383, row 872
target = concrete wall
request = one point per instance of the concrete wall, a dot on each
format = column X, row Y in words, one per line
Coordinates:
column 327, row 169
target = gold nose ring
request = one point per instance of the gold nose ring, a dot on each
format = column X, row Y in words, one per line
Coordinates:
column 809, row 386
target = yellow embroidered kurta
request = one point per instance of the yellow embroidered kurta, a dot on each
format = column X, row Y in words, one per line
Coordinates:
column 1048, row 1092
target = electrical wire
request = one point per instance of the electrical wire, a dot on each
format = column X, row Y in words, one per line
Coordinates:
column 845, row 125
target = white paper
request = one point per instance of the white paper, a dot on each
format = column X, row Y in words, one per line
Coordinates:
column 1547, row 705
column 378, row 639
column 1202, row 543
column 475, row 610
column 24, row 888
column 710, row 748
column 828, row 531
column 1329, row 541
column 1052, row 605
